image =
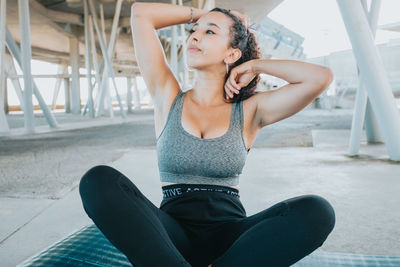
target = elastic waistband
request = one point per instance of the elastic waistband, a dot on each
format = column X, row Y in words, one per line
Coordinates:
column 176, row 190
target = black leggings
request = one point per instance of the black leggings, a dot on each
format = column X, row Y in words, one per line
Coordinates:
column 207, row 225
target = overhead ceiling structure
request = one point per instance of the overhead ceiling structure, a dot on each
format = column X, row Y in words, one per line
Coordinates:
column 54, row 21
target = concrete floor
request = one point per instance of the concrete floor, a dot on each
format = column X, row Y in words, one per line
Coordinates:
column 303, row 154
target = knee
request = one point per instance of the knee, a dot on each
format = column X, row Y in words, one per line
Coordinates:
column 97, row 179
column 319, row 214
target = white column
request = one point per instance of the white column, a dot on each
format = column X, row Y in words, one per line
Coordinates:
column 372, row 131
column 12, row 72
column 88, row 60
column 371, row 67
column 361, row 102
column 67, row 91
column 14, row 50
column 24, row 20
column 136, row 99
column 3, row 80
column 75, row 88
column 5, row 104
column 57, row 87
column 129, row 94
column 371, row 124
column 94, row 61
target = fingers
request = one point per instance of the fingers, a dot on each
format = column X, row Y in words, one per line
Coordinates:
column 231, row 89
column 232, row 80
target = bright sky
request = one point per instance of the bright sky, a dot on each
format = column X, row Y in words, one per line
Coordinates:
column 321, row 25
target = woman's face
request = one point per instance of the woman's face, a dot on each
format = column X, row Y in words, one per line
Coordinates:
column 211, row 35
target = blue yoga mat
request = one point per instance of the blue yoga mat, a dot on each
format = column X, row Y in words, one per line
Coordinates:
column 89, row 247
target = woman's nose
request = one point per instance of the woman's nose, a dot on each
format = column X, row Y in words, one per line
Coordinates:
column 195, row 37
column 194, row 40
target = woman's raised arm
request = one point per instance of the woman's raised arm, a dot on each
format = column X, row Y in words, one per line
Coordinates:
column 306, row 82
column 145, row 19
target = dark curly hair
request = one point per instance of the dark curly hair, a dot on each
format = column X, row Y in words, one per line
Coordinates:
column 244, row 40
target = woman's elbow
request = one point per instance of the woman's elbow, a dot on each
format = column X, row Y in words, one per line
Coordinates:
column 325, row 78
column 135, row 7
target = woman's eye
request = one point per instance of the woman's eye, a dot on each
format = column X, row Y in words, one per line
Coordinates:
column 192, row 31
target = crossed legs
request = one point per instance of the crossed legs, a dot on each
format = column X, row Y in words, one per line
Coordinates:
column 277, row 236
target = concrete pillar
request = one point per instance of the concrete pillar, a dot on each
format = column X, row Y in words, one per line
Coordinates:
column 67, row 92
column 6, row 107
column 375, row 76
column 129, row 94
column 88, row 59
column 17, row 54
column 3, row 81
column 136, row 99
column 75, row 88
column 56, row 88
column 12, row 72
column 371, row 125
column 26, row 57
column 372, row 131
column 362, row 107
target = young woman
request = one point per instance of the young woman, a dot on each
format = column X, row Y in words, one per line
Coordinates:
column 203, row 138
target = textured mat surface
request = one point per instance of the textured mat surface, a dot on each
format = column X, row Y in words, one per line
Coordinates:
column 89, row 247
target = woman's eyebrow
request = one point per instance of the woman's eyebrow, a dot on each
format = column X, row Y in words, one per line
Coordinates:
column 210, row 24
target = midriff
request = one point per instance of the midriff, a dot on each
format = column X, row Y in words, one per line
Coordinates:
column 168, row 183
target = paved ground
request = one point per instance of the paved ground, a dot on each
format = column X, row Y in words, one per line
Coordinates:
column 303, row 154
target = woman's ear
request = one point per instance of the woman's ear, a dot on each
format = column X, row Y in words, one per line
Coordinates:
column 234, row 56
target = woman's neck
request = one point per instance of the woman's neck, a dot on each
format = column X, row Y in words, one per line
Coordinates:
column 208, row 89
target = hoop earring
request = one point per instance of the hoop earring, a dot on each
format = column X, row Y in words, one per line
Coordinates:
column 226, row 64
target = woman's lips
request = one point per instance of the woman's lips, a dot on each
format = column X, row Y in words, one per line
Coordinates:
column 194, row 49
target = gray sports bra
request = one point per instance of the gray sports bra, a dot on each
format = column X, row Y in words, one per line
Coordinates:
column 185, row 158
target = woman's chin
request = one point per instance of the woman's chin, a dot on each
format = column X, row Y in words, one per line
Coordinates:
column 192, row 66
